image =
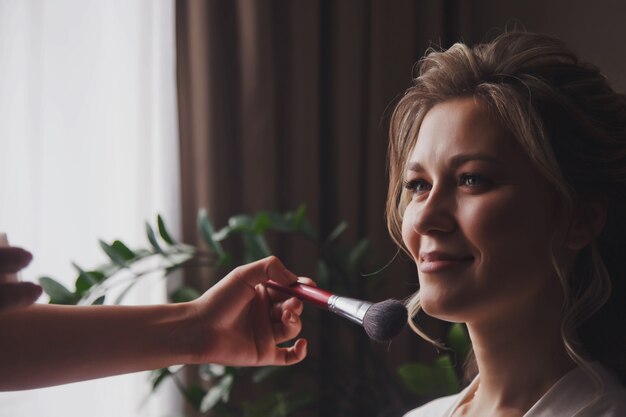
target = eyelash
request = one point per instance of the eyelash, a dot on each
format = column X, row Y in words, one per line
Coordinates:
column 412, row 185
column 482, row 181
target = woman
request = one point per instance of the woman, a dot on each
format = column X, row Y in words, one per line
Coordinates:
column 508, row 188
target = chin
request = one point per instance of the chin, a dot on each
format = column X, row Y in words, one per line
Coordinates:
column 441, row 307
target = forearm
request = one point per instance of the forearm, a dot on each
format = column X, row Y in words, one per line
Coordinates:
column 46, row 345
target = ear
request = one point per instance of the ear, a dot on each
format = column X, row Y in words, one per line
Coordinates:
column 587, row 223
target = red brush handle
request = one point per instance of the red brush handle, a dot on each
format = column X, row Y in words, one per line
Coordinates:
column 313, row 295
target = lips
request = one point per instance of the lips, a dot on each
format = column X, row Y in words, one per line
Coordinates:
column 436, row 261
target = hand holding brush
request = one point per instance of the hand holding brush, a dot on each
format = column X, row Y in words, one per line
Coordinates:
column 382, row 321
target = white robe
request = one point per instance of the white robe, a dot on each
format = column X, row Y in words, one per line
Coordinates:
column 572, row 395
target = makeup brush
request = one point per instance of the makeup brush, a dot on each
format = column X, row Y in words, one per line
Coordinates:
column 382, row 321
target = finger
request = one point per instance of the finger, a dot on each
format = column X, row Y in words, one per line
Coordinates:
column 263, row 329
column 240, row 285
column 293, row 304
column 291, row 355
column 277, row 296
column 12, row 259
column 260, row 271
column 288, row 328
column 276, row 271
column 18, row 294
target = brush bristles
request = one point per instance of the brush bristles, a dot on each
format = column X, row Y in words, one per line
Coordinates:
column 385, row 320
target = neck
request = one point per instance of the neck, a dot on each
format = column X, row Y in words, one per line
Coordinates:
column 518, row 359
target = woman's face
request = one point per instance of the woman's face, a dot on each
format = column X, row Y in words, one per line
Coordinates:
column 480, row 220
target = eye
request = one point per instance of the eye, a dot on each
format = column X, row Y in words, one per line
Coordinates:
column 417, row 186
column 474, row 180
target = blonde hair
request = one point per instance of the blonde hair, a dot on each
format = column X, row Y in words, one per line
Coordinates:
column 567, row 119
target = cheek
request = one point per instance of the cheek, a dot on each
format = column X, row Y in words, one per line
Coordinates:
column 508, row 230
column 409, row 236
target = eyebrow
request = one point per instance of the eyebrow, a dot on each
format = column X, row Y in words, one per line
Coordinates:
column 457, row 160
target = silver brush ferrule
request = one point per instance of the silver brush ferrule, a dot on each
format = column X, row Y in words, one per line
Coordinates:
column 350, row 308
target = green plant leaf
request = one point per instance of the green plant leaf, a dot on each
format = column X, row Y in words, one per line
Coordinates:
column 108, row 270
column 222, row 234
column 430, row 380
column 262, row 244
column 219, row 392
column 280, row 223
column 241, row 222
column 255, row 247
column 98, row 301
column 142, row 253
column 184, row 294
column 158, row 376
column 177, row 260
column 323, row 274
column 339, row 229
column 153, row 239
column 83, row 284
column 222, row 410
column 357, row 255
column 459, row 340
column 84, row 281
column 278, row 404
column 262, row 222
column 297, row 217
column 209, row 371
column 165, row 235
column 126, row 254
column 297, row 401
column 265, row 372
column 170, row 270
column 207, row 231
column 307, row 230
column 57, row 292
column 97, row 275
column 115, row 257
column 194, row 394
column 295, row 222
column 224, row 261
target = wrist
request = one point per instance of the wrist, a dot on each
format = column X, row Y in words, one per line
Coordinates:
column 186, row 336
column 193, row 335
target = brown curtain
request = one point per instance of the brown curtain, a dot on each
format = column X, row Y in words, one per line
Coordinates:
column 287, row 102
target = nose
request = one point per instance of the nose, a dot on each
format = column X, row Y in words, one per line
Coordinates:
column 435, row 215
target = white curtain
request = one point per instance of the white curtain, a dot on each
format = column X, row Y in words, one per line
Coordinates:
column 88, row 151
